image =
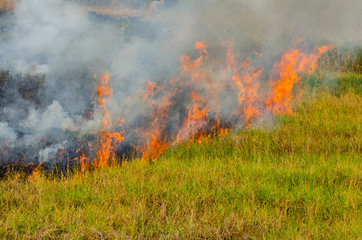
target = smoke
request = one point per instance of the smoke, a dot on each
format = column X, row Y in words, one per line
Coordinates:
column 7, row 134
column 56, row 46
column 54, row 33
column 53, row 117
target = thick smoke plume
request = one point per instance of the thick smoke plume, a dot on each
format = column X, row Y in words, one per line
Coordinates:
column 49, row 108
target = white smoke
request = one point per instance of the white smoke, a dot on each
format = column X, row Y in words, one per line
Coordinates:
column 7, row 134
column 48, row 155
column 53, row 117
column 56, row 33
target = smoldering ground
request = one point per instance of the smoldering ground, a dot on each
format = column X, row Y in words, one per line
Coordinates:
column 47, row 90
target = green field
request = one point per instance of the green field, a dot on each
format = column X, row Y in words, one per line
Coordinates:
column 287, row 178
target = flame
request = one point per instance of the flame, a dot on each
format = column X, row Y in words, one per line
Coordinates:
column 195, row 85
column 159, row 109
column 189, row 106
column 82, row 159
column 247, row 79
column 195, row 121
column 16, row 177
column 35, row 173
column 106, row 138
column 248, row 94
column 291, row 63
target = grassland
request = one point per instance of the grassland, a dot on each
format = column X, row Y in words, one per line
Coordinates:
column 293, row 178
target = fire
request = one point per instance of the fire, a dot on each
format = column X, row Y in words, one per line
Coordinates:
column 106, row 138
column 190, row 106
column 195, row 121
column 197, row 88
column 16, row 177
column 247, row 80
column 36, row 172
column 291, row 63
column 248, row 94
column 159, row 109
column 82, row 160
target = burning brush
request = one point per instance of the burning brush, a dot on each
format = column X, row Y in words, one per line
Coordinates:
column 65, row 117
column 190, row 105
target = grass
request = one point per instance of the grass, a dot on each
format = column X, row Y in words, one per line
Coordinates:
column 294, row 178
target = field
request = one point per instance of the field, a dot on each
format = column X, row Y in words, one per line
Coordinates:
column 296, row 177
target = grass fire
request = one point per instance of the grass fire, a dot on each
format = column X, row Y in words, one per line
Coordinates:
column 180, row 119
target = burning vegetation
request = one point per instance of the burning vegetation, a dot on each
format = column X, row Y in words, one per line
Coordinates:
column 58, row 112
column 191, row 105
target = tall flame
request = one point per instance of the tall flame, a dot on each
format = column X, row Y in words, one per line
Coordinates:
column 105, row 151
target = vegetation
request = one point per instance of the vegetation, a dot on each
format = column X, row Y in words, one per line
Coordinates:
column 296, row 177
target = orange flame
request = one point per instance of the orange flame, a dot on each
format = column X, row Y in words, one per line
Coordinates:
column 290, row 64
column 105, row 149
column 195, row 121
column 82, row 160
column 36, row 172
column 16, row 177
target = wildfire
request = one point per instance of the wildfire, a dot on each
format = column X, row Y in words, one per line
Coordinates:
column 191, row 104
column 197, row 89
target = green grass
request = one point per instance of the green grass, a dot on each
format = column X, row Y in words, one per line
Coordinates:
column 291, row 178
